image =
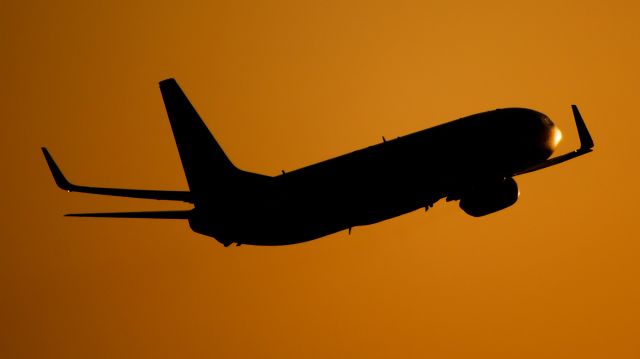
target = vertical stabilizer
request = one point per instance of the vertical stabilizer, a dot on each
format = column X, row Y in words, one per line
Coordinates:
column 205, row 164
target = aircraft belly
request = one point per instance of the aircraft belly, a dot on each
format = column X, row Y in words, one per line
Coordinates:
column 331, row 209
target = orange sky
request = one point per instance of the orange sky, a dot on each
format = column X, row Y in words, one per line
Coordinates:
column 282, row 85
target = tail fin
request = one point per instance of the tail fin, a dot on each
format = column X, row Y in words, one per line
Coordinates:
column 205, row 164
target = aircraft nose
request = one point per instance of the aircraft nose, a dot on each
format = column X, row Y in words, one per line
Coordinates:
column 552, row 133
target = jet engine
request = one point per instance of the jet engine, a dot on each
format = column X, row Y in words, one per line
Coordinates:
column 490, row 197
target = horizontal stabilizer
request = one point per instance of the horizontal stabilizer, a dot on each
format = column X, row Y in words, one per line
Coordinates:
column 156, row 215
column 63, row 183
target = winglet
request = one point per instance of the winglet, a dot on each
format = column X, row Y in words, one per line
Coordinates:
column 586, row 143
column 61, row 181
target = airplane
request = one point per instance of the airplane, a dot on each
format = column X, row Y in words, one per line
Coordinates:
column 472, row 160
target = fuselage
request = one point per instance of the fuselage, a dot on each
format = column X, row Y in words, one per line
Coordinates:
column 381, row 181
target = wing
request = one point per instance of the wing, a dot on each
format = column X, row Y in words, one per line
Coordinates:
column 62, row 182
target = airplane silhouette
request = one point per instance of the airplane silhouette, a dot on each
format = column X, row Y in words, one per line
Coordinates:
column 473, row 160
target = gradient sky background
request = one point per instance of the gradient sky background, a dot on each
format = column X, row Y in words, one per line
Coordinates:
column 283, row 84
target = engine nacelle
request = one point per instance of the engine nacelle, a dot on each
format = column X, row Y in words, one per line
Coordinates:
column 490, row 197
